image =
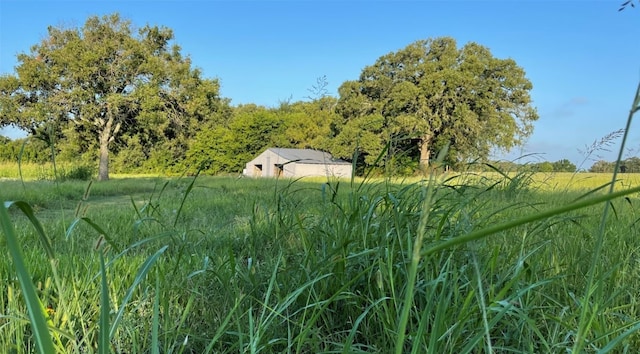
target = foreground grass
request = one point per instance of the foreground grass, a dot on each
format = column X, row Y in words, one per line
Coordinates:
column 226, row 265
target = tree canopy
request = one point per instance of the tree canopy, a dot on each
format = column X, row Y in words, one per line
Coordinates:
column 431, row 94
column 128, row 99
column 106, row 81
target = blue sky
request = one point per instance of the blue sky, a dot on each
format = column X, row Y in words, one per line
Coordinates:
column 582, row 56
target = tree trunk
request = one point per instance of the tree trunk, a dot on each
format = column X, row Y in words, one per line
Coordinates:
column 425, row 153
column 105, row 138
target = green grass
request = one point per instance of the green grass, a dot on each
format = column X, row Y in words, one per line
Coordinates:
column 227, row 265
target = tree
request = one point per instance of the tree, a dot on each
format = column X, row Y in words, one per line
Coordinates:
column 431, row 94
column 564, row 165
column 630, row 165
column 104, row 80
column 308, row 124
column 227, row 148
column 544, row 166
column 601, row 166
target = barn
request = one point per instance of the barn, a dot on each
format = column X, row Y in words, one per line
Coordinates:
column 279, row 162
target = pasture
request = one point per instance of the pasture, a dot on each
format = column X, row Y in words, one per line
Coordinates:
column 520, row 263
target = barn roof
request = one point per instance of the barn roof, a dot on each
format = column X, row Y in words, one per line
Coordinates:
column 307, row 156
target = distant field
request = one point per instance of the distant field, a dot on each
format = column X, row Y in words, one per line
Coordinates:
column 46, row 171
column 549, row 182
column 560, row 181
column 544, row 181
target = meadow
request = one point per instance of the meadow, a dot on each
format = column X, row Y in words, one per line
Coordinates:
column 472, row 263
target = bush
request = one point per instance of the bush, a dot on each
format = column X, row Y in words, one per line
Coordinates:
column 77, row 173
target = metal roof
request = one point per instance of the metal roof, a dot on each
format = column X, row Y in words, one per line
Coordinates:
column 309, row 156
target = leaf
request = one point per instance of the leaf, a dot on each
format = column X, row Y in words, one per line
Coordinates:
column 96, row 227
column 30, row 214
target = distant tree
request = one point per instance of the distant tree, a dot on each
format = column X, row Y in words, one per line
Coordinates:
column 631, row 165
column 602, row 166
column 500, row 165
column 564, row 165
column 26, row 150
column 105, row 81
column 431, row 94
column 226, row 149
column 309, row 125
column 544, row 166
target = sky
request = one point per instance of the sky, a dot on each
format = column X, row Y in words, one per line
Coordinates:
column 582, row 56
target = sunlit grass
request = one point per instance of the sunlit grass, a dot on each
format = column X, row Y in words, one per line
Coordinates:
column 227, row 265
column 45, row 171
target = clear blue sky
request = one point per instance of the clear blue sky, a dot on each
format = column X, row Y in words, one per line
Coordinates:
column 582, row 56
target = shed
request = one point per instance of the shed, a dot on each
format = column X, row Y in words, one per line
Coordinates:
column 279, row 162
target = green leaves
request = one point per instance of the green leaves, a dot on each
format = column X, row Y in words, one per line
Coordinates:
column 102, row 81
column 438, row 95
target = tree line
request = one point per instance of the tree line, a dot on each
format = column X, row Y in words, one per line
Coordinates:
column 628, row 165
column 110, row 96
column 563, row 165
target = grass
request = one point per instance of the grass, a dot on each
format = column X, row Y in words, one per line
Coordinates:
column 226, row 265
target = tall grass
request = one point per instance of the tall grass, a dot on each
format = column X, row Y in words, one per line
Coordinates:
column 594, row 288
column 326, row 267
column 446, row 264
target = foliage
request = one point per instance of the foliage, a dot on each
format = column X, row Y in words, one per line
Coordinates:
column 628, row 165
column 602, row 166
column 101, row 82
column 432, row 94
column 131, row 101
column 78, row 173
column 310, row 125
column 226, row 148
column 564, row 165
column 28, row 150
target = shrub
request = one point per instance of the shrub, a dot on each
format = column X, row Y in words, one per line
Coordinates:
column 77, row 173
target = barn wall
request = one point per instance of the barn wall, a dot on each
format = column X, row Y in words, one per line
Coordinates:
column 269, row 164
column 338, row 170
column 264, row 165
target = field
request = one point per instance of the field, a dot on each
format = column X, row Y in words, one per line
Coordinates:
column 476, row 263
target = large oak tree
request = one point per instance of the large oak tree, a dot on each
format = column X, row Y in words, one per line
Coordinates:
column 431, row 94
column 107, row 79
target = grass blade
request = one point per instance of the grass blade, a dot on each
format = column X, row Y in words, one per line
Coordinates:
column 96, row 227
column 617, row 340
column 29, row 213
column 184, row 198
column 354, row 330
column 34, row 306
column 155, row 342
column 105, row 309
column 142, row 272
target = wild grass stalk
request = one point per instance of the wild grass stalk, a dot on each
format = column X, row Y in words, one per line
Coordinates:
column 416, row 251
column 104, row 342
column 593, row 290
